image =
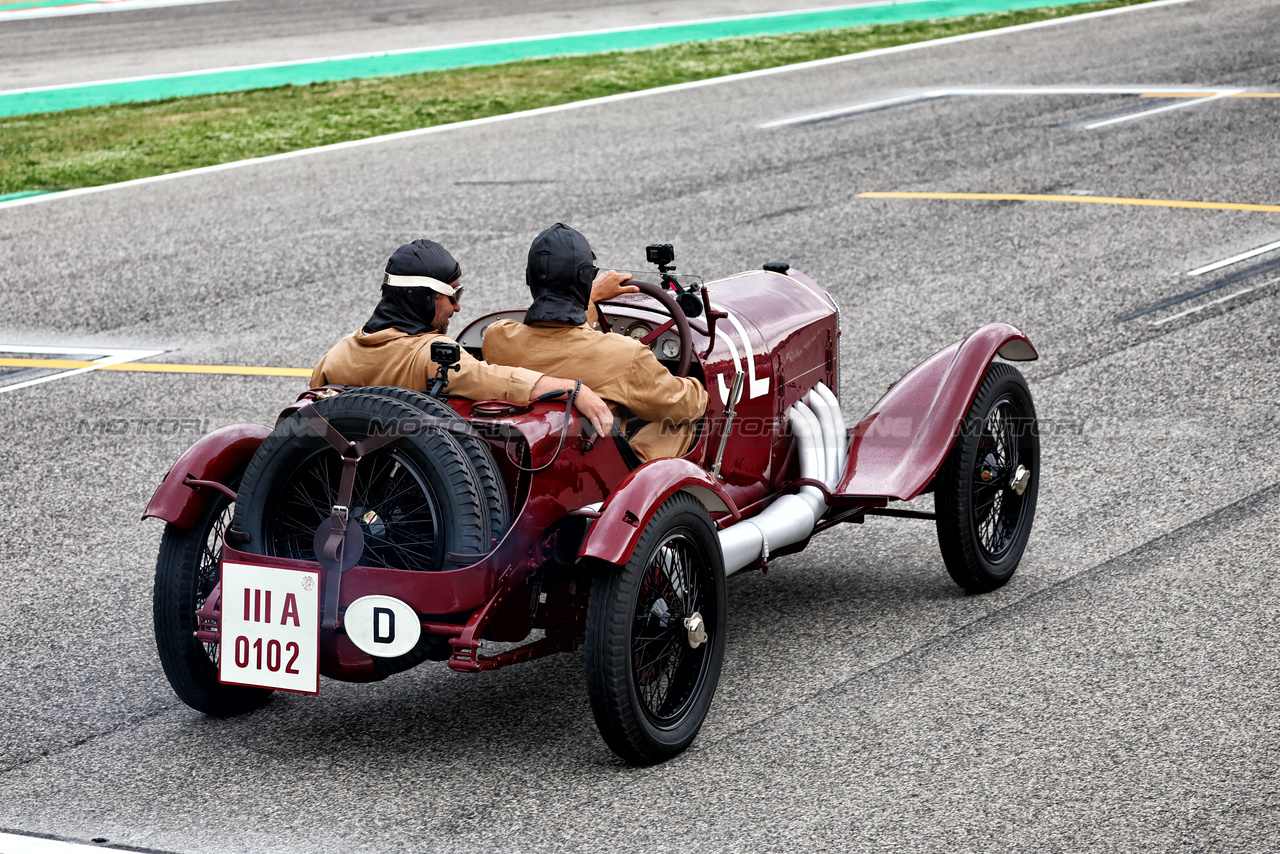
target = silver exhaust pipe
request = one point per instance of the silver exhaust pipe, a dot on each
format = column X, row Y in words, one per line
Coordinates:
column 819, row 431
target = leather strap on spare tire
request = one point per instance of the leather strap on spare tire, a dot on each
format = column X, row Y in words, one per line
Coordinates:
column 332, row 537
column 296, row 503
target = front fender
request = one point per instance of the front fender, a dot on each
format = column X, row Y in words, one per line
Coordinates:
column 899, row 445
column 214, row 457
column 629, row 508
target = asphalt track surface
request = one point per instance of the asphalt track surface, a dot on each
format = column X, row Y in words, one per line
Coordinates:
column 1118, row 694
column 168, row 40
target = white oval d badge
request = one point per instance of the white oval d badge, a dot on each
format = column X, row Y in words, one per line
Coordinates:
column 382, row 626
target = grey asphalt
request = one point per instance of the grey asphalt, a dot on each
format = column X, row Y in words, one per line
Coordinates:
column 1118, row 694
column 131, row 43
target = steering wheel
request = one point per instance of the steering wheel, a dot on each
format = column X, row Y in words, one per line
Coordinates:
column 676, row 313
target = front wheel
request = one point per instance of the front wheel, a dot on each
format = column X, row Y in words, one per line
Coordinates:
column 186, row 573
column 655, row 635
column 985, row 493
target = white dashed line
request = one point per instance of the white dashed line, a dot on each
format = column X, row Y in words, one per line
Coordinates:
column 1162, row 321
column 12, row 843
column 1234, row 259
column 1211, row 94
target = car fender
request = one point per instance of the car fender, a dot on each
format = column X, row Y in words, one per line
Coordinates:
column 214, row 457
column 624, row 515
column 899, row 445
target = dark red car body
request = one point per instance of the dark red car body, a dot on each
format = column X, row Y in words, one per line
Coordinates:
column 592, row 502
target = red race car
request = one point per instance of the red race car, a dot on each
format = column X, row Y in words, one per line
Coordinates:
column 374, row 529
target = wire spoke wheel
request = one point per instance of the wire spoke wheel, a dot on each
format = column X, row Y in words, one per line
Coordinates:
column 655, row 635
column 997, row 506
column 394, row 503
column 666, row 670
column 187, row 573
column 986, row 490
column 207, row 576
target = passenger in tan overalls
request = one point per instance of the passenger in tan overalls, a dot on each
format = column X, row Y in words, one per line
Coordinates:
column 558, row 336
column 420, row 293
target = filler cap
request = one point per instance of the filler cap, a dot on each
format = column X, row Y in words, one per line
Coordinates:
column 778, row 267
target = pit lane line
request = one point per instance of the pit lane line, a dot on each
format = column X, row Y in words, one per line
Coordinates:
column 122, row 361
column 592, row 102
column 108, row 358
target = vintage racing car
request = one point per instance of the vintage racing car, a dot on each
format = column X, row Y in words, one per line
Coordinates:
column 374, row 529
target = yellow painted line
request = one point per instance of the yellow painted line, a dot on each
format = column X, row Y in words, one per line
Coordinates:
column 1209, row 94
column 158, row 367
column 1080, row 200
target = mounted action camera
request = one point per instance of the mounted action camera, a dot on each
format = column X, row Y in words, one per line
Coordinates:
column 661, row 254
column 446, row 355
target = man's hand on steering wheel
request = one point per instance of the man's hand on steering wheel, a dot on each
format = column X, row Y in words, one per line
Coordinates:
column 609, row 284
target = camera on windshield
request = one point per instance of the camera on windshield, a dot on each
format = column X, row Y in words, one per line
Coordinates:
column 661, row 254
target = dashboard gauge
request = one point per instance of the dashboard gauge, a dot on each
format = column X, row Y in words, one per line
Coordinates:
column 670, row 348
column 638, row 331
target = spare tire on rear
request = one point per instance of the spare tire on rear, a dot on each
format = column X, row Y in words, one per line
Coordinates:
column 476, row 449
column 418, row 500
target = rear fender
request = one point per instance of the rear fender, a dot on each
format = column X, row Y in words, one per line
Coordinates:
column 899, row 445
column 215, row 457
column 629, row 508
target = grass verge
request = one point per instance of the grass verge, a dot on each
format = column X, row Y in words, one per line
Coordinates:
column 103, row 145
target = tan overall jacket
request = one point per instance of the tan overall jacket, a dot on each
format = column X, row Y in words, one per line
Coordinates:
column 621, row 370
column 390, row 357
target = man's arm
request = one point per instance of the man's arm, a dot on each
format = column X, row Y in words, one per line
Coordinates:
column 655, row 395
column 480, row 381
column 588, row 403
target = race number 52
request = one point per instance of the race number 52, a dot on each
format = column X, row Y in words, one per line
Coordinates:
column 270, row 631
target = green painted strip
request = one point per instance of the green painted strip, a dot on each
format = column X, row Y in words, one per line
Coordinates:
column 44, row 4
column 438, row 59
column 9, row 197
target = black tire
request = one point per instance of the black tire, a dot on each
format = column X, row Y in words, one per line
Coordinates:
column 437, row 519
column 476, row 449
column 983, row 523
column 186, row 572
column 650, row 708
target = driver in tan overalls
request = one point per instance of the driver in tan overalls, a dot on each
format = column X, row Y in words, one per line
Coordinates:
column 420, row 293
column 559, row 336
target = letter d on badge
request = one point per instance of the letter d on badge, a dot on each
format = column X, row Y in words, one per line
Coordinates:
column 382, row 626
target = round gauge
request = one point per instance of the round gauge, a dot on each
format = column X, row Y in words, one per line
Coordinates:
column 670, row 348
column 638, row 331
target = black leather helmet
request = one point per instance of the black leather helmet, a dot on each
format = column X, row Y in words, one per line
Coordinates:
column 559, row 274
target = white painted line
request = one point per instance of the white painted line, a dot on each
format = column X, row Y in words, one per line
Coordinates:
column 857, row 108
column 997, row 91
column 13, row 843
column 577, row 105
column 88, row 8
column 1212, row 303
column 108, row 356
column 1181, row 105
column 1234, row 259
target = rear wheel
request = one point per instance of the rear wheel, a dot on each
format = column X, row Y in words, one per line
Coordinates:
column 656, row 634
column 187, row 570
column 986, row 490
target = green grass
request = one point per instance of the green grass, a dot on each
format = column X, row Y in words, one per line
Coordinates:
column 103, row 145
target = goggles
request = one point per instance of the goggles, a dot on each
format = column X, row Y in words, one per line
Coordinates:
column 453, row 293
